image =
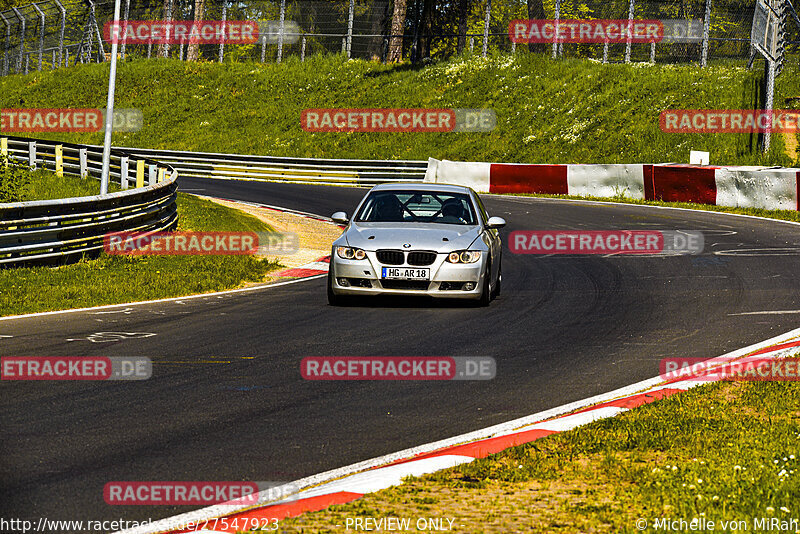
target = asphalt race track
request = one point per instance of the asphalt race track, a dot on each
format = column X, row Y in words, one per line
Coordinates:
column 227, row 402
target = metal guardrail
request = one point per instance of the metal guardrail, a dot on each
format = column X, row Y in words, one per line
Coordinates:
column 66, row 229
column 281, row 169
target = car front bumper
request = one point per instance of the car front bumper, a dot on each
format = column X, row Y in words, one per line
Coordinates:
column 447, row 280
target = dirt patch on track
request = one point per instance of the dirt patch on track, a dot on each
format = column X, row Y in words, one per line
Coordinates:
column 315, row 236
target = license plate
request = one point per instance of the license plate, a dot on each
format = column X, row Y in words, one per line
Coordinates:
column 403, row 273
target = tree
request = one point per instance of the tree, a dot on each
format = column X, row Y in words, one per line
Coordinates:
column 536, row 12
column 193, row 50
column 398, row 31
column 463, row 11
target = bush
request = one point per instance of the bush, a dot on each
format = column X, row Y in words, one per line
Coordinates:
column 14, row 179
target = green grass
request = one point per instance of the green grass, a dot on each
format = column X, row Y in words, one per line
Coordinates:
column 724, row 451
column 119, row 279
column 564, row 111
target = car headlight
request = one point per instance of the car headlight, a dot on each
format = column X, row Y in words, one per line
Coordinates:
column 464, row 256
column 350, row 253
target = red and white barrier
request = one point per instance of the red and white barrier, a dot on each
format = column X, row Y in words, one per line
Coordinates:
column 746, row 187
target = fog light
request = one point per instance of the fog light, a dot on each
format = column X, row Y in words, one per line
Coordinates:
column 344, row 282
column 469, row 286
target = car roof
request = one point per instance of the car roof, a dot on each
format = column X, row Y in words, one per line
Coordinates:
column 422, row 186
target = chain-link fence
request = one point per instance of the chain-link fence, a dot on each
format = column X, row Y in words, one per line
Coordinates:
column 55, row 33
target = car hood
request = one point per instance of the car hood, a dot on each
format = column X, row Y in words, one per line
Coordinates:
column 421, row 236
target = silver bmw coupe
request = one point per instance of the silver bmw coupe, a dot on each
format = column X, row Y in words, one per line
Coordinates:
column 417, row 239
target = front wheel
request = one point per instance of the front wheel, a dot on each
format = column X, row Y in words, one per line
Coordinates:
column 333, row 298
column 486, row 294
column 497, row 284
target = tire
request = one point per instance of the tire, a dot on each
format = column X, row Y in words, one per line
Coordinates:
column 486, row 293
column 333, row 298
column 498, row 284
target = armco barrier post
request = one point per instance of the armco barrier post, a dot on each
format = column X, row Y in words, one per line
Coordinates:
column 32, row 155
column 84, row 162
column 4, row 148
column 161, row 174
column 59, row 155
column 140, row 173
column 151, row 175
column 123, row 172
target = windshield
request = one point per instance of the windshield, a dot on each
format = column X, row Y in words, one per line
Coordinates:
column 410, row 206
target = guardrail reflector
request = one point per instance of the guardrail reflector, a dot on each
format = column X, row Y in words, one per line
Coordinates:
column 59, row 154
column 140, row 173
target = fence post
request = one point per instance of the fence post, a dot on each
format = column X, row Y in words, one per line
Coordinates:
column 53, row 64
column 41, row 33
column 123, row 172
column 140, row 173
column 8, row 43
column 263, row 48
column 66, row 57
column 303, row 50
column 152, row 171
column 163, row 50
column 59, row 155
column 125, row 28
column 21, row 37
column 281, row 24
column 222, row 41
column 631, row 7
column 557, row 16
column 471, row 43
column 706, row 24
column 32, row 155
column 770, row 97
column 84, row 162
column 605, row 52
column 486, row 27
column 652, row 51
column 350, row 28
column 61, row 32
column 4, row 148
column 161, row 172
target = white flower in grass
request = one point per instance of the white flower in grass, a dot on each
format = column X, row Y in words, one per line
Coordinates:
column 737, row 467
column 699, row 480
column 784, row 509
column 715, row 498
column 770, row 509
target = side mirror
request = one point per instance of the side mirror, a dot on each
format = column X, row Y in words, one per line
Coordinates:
column 496, row 222
column 341, row 217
